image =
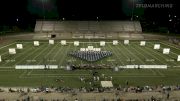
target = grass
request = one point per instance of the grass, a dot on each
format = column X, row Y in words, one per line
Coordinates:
column 57, row 55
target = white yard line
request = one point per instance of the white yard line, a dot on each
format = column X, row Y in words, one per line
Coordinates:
column 115, row 52
column 17, row 56
column 162, row 56
column 29, row 73
column 133, row 54
column 171, row 46
column 29, row 55
column 7, row 45
column 64, row 54
column 154, row 62
column 22, row 75
column 118, row 48
column 103, row 47
column 144, row 57
column 49, row 52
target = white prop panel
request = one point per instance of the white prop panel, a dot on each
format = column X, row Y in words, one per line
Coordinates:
column 166, row 50
column 142, row 43
column 0, row 59
column 82, row 49
column 36, row 43
column 126, row 42
column 90, row 48
column 102, row 43
column 153, row 66
column 51, row 42
column 157, row 46
column 115, row 42
column 36, row 67
column 178, row 59
column 97, row 49
column 63, row 42
column 76, row 43
column 12, row 51
column 19, row 46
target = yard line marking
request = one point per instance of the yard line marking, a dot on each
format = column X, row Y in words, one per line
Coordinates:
column 48, row 52
column 56, row 54
column 162, row 56
column 171, row 46
column 22, row 74
column 63, row 54
column 123, row 47
column 144, row 57
column 151, row 55
column 29, row 55
column 7, row 45
column 103, row 47
column 29, row 73
column 132, row 54
column 118, row 48
column 115, row 52
column 17, row 56
column 39, row 53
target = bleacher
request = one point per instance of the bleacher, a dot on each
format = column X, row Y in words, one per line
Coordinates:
column 90, row 29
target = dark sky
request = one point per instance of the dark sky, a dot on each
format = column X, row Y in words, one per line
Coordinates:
column 26, row 11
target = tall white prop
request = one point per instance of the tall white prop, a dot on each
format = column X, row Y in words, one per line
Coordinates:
column 166, row 50
column 19, row 46
column 51, row 42
column 102, row 43
column 178, row 59
column 12, row 51
column 63, row 42
column 36, row 43
column 126, row 42
column 0, row 59
column 115, row 42
column 76, row 43
column 157, row 46
column 142, row 43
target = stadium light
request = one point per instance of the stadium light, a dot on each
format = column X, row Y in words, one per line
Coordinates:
column 132, row 11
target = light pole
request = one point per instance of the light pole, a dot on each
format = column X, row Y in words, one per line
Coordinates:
column 43, row 9
column 132, row 14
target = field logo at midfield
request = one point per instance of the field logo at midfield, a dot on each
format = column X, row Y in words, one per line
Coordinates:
column 0, row 59
column 36, row 43
column 126, row 42
column 157, row 46
column 51, row 42
column 19, row 46
column 142, row 43
column 76, row 43
column 102, row 43
column 178, row 59
column 115, row 42
column 12, row 51
column 63, row 42
column 166, row 50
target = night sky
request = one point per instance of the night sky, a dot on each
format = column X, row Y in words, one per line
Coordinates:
column 24, row 12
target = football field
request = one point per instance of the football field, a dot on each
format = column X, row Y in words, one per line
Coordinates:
column 57, row 54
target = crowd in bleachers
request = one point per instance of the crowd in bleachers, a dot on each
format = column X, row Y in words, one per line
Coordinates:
column 91, row 56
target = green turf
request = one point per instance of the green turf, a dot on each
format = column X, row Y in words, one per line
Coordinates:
column 57, row 55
